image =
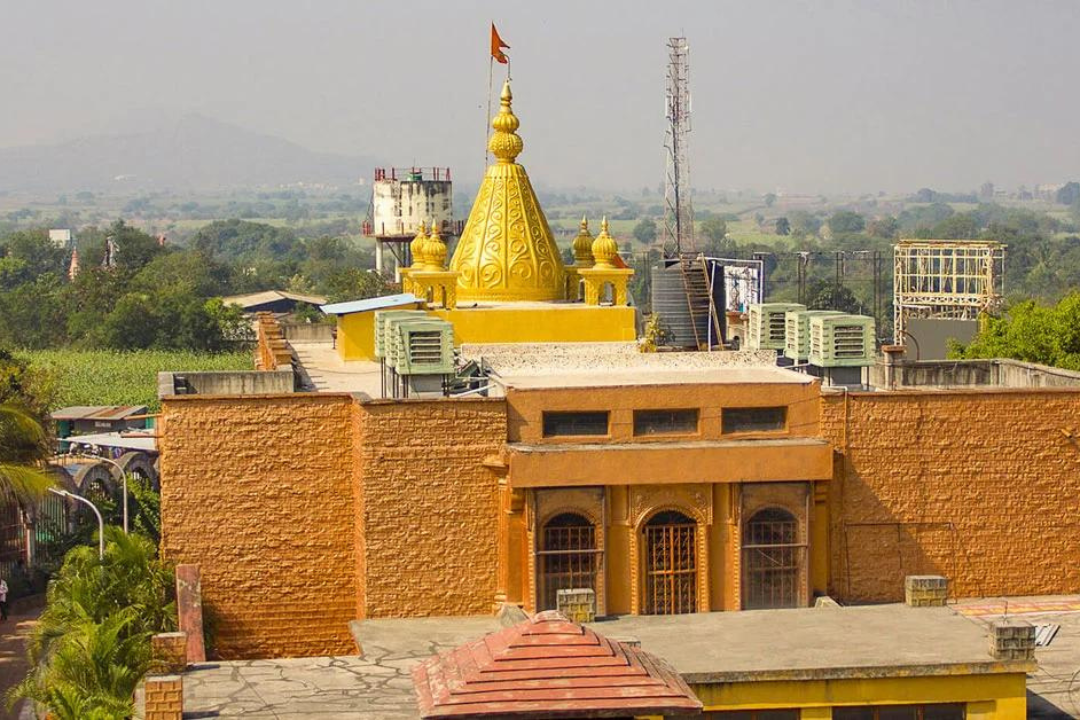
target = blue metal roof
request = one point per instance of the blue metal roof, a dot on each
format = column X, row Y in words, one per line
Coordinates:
column 377, row 303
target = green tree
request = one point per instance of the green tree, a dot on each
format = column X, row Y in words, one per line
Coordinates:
column 770, row 198
column 1068, row 193
column 783, row 226
column 357, row 284
column 827, row 295
column 886, row 228
column 963, row 226
column 846, row 222
column 645, row 231
column 91, row 645
column 804, row 224
column 1032, row 332
column 717, row 243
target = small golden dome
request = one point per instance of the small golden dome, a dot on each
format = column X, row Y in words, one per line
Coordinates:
column 583, row 256
column 604, row 248
column 505, row 144
column 435, row 250
column 418, row 248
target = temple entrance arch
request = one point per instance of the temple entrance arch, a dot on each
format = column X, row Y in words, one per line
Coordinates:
column 772, row 559
column 569, row 558
column 669, row 552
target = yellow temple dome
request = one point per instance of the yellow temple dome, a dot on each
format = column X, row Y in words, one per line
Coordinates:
column 583, row 256
column 418, row 248
column 435, row 250
column 507, row 251
column 604, row 248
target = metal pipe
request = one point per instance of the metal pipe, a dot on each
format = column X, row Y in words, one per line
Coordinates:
column 101, row 520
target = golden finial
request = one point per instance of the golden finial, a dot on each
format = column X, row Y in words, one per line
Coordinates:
column 436, row 250
column 505, row 144
column 418, row 247
column 604, row 248
column 583, row 256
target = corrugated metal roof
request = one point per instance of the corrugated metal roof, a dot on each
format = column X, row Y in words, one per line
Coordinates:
column 378, row 303
column 97, row 412
column 268, row 296
column 145, row 444
column 549, row 667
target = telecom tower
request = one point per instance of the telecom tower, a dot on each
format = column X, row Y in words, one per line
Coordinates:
column 682, row 287
column 678, row 211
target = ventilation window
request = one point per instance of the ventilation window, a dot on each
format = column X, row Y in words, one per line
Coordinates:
column 665, row 422
column 764, row 419
column 560, row 424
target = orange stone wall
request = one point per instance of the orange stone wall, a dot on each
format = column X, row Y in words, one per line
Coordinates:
column 980, row 486
column 429, row 506
column 258, row 492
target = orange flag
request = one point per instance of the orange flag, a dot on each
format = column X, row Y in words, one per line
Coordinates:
column 497, row 46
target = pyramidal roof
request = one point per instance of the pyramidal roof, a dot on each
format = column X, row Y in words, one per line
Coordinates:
column 507, row 251
column 549, row 667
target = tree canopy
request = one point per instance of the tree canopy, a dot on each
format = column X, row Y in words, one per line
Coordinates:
column 1033, row 332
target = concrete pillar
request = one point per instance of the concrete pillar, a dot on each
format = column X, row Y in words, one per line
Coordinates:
column 189, row 607
column 378, row 257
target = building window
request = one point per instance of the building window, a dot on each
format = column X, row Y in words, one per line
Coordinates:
column 772, row 556
column 941, row 711
column 560, row 424
column 665, row 422
column 787, row 714
column 760, row 419
column 569, row 558
column 670, row 555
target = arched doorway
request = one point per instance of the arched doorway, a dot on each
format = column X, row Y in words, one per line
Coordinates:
column 772, row 559
column 669, row 545
column 569, row 558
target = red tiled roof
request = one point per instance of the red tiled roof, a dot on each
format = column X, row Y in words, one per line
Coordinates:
column 549, row 667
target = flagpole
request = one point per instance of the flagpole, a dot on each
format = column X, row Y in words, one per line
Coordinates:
column 487, row 119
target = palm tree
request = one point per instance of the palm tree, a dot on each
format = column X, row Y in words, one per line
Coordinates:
column 23, row 447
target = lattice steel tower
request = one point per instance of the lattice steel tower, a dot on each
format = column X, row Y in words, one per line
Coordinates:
column 678, row 235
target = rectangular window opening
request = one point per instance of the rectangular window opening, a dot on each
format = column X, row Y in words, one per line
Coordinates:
column 665, row 422
column 570, row 424
column 759, row 419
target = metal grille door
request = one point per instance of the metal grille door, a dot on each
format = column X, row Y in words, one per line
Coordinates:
column 772, row 558
column 569, row 558
column 670, row 565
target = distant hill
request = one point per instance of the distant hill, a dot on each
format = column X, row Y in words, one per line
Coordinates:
column 189, row 152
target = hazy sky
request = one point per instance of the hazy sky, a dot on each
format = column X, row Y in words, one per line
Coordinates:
column 792, row 96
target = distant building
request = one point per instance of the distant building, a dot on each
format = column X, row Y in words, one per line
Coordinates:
column 63, row 238
column 275, row 301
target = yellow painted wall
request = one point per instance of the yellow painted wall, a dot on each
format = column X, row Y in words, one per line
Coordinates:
column 532, row 323
column 356, row 333
column 989, row 697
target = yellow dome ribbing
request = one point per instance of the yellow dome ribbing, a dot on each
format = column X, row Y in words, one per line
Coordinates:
column 604, row 248
column 507, row 251
column 435, row 250
column 418, row 248
column 583, row 256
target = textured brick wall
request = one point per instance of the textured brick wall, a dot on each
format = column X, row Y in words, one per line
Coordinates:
column 429, row 506
column 980, row 486
column 258, row 491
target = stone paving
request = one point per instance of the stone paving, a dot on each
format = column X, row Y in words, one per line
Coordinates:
column 377, row 686
column 327, row 688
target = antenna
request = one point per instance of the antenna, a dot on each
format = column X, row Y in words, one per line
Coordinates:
column 678, row 235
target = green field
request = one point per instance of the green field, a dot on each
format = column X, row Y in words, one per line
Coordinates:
column 104, row 377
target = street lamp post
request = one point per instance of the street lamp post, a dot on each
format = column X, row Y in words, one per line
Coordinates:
column 100, row 520
column 123, row 477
